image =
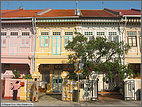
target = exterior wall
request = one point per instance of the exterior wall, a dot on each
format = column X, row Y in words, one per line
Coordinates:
column 45, row 55
column 106, row 28
column 8, row 94
column 100, row 27
column 21, row 68
column 133, row 55
column 13, row 51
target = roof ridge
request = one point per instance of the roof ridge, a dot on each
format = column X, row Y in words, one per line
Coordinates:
column 90, row 9
column 112, row 12
column 135, row 9
column 44, row 11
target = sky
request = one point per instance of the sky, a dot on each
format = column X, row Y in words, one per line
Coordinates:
column 27, row 5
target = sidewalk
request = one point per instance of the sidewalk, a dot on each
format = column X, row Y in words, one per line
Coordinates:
column 48, row 100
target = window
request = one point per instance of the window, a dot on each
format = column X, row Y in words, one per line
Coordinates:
column 56, row 33
column 67, row 39
column 68, row 33
column 56, row 45
column 100, row 33
column 3, row 33
column 113, row 36
column 44, row 41
column 3, row 41
column 25, row 41
column 112, row 33
column 90, row 37
column 14, row 33
column 25, row 33
column 132, row 41
column 88, row 33
column 44, row 33
column 131, row 33
column 132, row 38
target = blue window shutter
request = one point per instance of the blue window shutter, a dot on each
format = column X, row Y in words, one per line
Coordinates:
column 56, row 45
column 44, row 41
column 67, row 39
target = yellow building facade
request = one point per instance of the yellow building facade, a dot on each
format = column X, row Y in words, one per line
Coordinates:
column 51, row 58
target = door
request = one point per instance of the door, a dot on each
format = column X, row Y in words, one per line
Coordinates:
column 57, row 81
column 129, row 89
column 13, row 45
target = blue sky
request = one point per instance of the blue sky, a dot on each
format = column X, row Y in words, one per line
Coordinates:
column 70, row 4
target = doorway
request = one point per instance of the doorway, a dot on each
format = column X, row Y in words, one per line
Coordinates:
column 57, row 81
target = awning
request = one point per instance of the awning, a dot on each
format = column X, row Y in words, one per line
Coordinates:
column 57, row 20
column 77, row 20
column 16, row 21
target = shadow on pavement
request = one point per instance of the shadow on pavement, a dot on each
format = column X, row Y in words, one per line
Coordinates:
column 56, row 96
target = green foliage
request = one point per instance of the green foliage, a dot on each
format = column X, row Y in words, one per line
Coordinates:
column 29, row 76
column 16, row 74
column 91, row 53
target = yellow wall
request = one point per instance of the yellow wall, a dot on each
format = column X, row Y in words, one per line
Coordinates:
column 43, row 55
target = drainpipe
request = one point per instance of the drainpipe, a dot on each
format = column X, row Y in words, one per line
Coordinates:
column 34, row 48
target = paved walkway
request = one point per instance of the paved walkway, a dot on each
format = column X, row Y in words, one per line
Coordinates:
column 55, row 100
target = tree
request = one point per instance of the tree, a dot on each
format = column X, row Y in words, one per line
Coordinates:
column 16, row 74
column 99, row 54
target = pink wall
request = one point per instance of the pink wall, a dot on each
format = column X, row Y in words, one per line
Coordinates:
column 8, row 94
column 13, row 52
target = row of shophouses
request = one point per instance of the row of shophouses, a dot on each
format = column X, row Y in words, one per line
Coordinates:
column 33, row 41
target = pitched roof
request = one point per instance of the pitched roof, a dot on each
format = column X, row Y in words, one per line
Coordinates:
column 128, row 12
column 96, row 13
column 67, row 13
column 122, row 12
column 59, row 13
column 37, row 13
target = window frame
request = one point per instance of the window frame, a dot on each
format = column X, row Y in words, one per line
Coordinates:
column 25, row 39
column 88, row 35
column 58, row 33
column 68, row 33
column 2, row 38
column 69, row 37
column 3, row 32
column 100, row 35
column 56, row 37
column 26, row 34
column 14, row 32
column 131, row 37
column 113, row 35
column 44, row 34
column 44, row 41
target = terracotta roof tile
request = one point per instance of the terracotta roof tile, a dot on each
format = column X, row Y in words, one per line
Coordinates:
column 33, row 13
column 59, row 13
column 96, row 13
column 127, row 12
column 20, row 13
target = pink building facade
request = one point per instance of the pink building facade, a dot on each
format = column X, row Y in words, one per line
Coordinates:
column 17, row 40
